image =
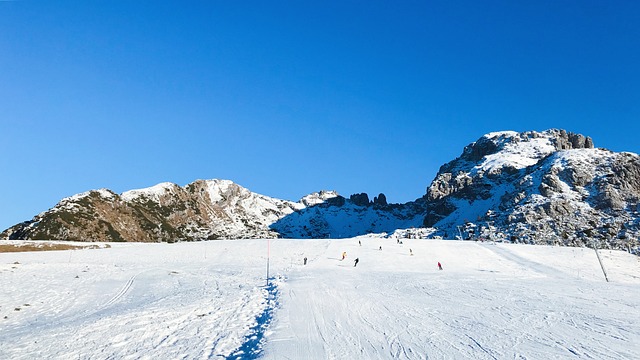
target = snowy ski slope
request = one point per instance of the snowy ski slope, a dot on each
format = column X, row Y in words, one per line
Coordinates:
column 209, row 300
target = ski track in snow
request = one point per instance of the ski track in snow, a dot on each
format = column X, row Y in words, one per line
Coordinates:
column 121, row 293
column 209, row 301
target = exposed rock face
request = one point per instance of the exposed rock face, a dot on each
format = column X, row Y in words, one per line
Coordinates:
column 566, row 141
column 361, row 199
column 380, row 200
column 533, row 187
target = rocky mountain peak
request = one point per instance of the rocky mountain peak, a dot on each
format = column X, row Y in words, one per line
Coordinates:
column 531, row 185
column 495, row 154
column 510, row 149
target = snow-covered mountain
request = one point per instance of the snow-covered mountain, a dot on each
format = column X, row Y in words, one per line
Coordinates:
column 537, row 187
column 534, row 187
column 208, row 209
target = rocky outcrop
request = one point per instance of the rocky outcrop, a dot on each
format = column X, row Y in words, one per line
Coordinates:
column 361, row 199
column 380, row 200
column 564, row 140
column 537, row 187
column 492, row 160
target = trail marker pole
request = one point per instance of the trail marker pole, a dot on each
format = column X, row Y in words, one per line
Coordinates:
column 599, row 260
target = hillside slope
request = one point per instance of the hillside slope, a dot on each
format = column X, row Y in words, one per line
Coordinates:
column 209, row 300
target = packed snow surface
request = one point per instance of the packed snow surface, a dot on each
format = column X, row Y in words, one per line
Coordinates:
column 210, row 300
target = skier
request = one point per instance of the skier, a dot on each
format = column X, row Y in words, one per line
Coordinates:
column 344, row 255
column 359, row 242
column 410, row 252
column 305, row 260
column 380, row 247
column 439, row 266
column 356, row 262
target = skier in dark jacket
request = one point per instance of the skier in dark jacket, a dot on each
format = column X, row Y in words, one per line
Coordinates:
column 356, row 262
column 439, row 265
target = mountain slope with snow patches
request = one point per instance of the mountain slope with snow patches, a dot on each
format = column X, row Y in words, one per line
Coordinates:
column 209, row 209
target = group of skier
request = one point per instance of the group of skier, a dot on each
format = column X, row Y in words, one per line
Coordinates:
column 344, row 256
column 355, row 263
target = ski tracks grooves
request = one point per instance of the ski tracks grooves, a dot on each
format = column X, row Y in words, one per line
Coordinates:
column 481, row 347
column 122, row 292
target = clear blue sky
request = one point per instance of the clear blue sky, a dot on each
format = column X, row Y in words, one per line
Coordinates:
column 290, row 97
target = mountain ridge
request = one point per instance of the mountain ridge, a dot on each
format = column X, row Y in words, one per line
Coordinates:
column 201, row 210
column 523, row 187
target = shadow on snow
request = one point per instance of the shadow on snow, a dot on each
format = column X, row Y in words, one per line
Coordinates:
column 251, row 348
column 344, row 218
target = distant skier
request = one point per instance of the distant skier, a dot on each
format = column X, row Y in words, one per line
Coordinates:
column 398, row 241
column 359, row 242
column 411, row 252
column 439, row 266
column 344, row 255
column 356, row 262
column 305, row 260
column 380, row 247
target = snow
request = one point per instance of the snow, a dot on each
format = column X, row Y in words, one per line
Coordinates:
column 517, row 154
column 318, row 197
column 209, row 300
column 217, row 188
column 154, row 192
column 104, row 193
column 503, row 134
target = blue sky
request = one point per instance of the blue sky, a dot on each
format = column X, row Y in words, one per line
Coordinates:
column 287, row 98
